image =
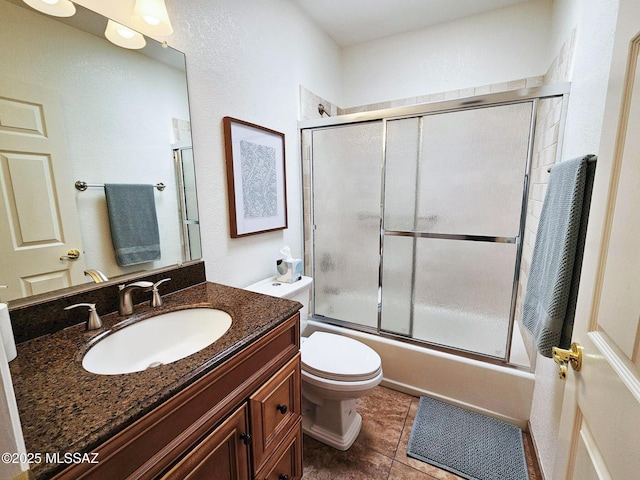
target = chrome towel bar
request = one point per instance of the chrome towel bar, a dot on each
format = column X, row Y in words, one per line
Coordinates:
column 82, row 186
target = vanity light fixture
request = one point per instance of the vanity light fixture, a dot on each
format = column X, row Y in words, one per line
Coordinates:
column 123, row 36
column 151, row 16
column 57, row 8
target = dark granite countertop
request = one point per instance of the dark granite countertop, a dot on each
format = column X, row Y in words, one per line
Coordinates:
column 65, row 409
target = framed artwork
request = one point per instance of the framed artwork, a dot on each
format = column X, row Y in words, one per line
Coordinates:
column 255, row 178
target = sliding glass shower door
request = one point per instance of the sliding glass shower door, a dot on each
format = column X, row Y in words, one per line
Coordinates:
column 451, row 229
column 347, row 166
column 417, row 223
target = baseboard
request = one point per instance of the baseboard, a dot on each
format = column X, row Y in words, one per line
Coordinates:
column 535, row 450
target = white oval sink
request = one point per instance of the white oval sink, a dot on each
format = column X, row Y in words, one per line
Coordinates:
column 156, row 341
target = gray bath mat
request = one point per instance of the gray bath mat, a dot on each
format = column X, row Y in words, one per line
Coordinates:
column 466, row 443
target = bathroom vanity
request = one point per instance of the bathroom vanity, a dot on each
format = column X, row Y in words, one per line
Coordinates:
column 229, row 411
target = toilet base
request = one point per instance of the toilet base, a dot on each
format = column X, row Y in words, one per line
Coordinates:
column 336, row 423
column 339, row 442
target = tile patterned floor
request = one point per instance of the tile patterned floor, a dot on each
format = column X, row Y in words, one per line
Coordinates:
column 380, row 451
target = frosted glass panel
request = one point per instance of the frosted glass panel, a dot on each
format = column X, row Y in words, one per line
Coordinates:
column 462, row 295
column 402, row 149
column 472, row 172
column 397, row 274
column 347, row 164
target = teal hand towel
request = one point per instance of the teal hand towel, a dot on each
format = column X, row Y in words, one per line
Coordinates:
column 134, row 223
column 554, row 276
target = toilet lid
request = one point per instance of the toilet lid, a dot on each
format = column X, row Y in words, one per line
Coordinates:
column 335, row 357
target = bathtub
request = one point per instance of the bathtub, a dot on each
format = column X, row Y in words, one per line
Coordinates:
column 497, row 391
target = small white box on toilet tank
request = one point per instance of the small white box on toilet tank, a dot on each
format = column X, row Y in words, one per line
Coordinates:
column 298, row 291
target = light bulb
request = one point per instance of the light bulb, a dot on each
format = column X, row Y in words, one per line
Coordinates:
column 151, row 20
column 125, row 32
column 150, row 16
column 123, row 36
column 57, row 8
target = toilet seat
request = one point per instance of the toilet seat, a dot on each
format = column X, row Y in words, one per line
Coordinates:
column 339, row 359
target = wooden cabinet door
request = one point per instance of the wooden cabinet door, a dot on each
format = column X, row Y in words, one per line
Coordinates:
column 222, row 455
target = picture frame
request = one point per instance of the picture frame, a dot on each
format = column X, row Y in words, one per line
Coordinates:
column 256, row 178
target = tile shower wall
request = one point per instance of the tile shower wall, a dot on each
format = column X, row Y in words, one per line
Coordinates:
column 309, row 102
column 545, row 155
column 546, row 152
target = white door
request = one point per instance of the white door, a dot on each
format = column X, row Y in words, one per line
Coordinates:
column 600, row 425
column 38, row 218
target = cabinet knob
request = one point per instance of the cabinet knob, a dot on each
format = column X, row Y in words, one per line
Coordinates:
column 283, row 477
column 246, row 438
column 282, row 409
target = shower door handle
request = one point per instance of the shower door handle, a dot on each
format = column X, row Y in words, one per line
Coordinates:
column 572, row 357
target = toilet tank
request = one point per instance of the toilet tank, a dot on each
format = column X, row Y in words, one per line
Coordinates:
column 298, row 291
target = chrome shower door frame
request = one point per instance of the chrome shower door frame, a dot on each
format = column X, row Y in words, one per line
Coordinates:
column 533, row 95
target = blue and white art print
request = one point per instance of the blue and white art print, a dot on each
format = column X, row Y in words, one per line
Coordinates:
column 256, row 178
column 259, row 180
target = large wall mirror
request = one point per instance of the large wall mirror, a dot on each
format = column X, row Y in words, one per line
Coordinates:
column 75, row 107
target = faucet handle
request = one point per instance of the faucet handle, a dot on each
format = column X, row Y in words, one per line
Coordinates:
column 140, row 284
column 94, row 321
column 156, row 299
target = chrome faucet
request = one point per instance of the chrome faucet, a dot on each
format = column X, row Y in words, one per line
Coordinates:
column 125, row 300
column 96, row 275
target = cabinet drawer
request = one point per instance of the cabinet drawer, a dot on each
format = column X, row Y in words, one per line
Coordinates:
column 274, row 409
column 286, row 464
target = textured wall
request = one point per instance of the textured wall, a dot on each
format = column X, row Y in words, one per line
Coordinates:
column 498, row 46
column 247, row 60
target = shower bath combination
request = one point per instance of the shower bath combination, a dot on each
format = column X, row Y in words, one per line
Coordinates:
column 418, row 219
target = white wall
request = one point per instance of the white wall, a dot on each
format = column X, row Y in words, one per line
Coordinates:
column 498, row 46
column 246, row 60
column 595, row 24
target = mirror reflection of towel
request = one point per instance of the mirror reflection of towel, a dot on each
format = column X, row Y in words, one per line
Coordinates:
column 554, row 277
column 134, row 222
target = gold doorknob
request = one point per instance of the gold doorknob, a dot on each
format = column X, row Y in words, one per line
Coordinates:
column 573, row 356
column 72, row 254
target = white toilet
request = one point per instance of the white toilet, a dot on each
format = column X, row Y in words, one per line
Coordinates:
column 336, row 370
